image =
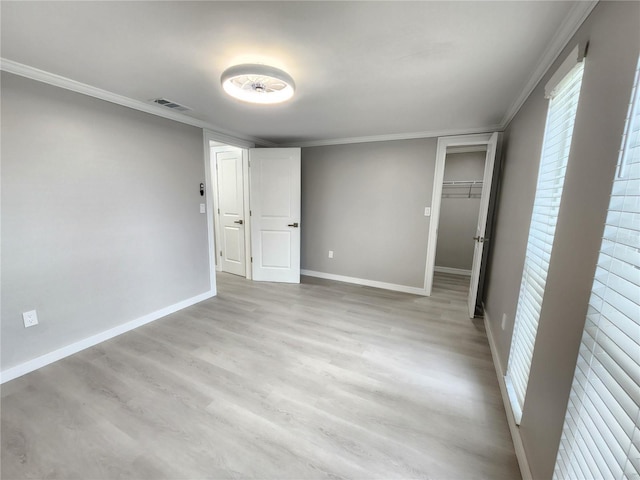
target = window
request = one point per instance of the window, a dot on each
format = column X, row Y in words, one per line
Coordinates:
column 601, row 438
column 563, row 90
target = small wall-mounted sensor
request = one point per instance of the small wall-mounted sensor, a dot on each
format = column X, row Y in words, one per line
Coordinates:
column 202, row 189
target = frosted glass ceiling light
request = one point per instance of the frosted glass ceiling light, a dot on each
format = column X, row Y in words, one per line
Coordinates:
column 257, row 84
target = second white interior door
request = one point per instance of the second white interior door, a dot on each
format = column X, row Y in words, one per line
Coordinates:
column 275, row 214
column 479, row 238
column 231, row 211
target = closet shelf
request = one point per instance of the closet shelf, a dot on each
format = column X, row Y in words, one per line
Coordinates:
column 462, row 183
column 461, row 188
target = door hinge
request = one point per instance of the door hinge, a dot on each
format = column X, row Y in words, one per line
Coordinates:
column 251, row 259
column 218, row 210
column 220, row 252
column 250, row 213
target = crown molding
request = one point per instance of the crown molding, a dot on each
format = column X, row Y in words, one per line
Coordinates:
column 68, row 84
column 395, row 136
column 574, row 19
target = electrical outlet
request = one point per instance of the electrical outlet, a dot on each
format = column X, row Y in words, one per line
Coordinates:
column 330, row 253
column 30, row 318
column 504, row 320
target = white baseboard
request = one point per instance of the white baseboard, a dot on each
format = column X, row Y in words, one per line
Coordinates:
column 453, row 271
column 44, row 360
column 513, row 428
column 365, row 282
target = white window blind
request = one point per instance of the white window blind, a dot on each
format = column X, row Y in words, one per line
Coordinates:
column 553, row 164
column 601, row 437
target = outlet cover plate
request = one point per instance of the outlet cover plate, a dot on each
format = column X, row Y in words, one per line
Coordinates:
column 30, row 318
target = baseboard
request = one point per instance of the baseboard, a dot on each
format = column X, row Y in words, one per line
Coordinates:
column 365, row 282
column 453, row 271
column 513, row 428
column 44, row 360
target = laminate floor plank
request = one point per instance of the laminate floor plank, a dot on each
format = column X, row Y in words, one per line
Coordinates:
column 321, row 380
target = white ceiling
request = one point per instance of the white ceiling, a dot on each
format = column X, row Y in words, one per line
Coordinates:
column 362, row 69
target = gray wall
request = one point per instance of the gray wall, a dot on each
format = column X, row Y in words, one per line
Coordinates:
column 100, row 219
column 366, row 203
column 459, row 215
column 612, row 30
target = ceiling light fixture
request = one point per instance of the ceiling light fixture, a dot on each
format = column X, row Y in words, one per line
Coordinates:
column 257, row 83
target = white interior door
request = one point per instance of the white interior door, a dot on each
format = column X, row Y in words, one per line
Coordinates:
column 231, row 211
column 275, row 214
column 482, row 223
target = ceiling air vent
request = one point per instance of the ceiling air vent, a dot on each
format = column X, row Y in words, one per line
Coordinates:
column 170, row 104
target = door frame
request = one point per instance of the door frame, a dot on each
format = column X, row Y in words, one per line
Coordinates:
column 436, row 199
column 216, row 204
column 211, row 196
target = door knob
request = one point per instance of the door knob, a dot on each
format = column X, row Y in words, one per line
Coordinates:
column 239, row 222
column 294, row 225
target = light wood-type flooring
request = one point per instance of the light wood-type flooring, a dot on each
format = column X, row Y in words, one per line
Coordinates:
column 272, row 381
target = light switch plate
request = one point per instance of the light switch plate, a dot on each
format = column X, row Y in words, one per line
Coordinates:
column 202, row 208
column 427, row 211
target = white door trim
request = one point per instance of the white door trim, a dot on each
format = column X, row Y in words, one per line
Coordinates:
column 441, row 153
column 210, row 136
column 247, row 213
column 211, row 192
column 213, row 174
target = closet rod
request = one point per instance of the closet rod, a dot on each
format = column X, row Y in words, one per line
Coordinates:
column 461, row 195
column 458, row 183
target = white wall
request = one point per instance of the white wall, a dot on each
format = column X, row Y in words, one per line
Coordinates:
column 100, row 216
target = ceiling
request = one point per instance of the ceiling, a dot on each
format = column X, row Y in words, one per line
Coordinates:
column 362, row 69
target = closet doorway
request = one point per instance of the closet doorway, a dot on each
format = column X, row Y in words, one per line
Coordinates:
column 460, row 207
